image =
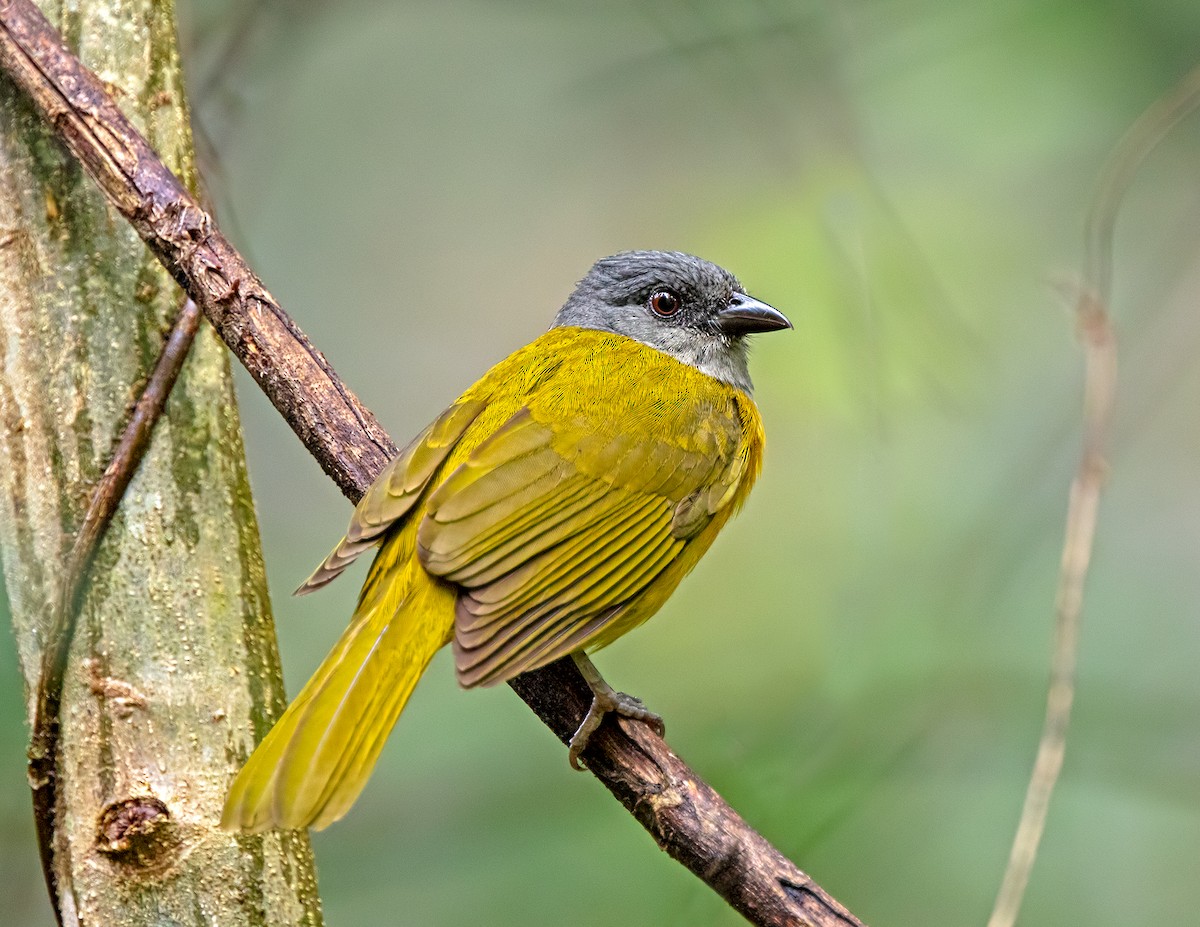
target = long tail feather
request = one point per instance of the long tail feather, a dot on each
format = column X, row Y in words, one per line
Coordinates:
column 313, row 763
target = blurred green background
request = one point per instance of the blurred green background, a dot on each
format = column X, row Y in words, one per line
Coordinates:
column 859, row 664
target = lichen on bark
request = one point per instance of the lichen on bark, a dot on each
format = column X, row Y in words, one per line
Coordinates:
column 173, row 670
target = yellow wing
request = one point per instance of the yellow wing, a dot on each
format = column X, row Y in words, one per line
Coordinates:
column 396, row 490
column 552, row 531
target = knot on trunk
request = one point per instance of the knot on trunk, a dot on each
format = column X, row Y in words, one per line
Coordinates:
column 137, row 831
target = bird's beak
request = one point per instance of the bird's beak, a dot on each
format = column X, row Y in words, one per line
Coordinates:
column 745, row 315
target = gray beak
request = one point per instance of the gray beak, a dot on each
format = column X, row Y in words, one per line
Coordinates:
column 745, row 315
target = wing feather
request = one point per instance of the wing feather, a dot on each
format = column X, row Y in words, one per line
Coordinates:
column 395, row 491
column 563, row 573
column 534, row 644
column 488, row 555
column 551, row 531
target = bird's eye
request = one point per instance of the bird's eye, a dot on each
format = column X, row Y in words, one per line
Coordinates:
column 664, row 303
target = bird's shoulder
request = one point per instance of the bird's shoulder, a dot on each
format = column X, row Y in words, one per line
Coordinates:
column 611, row 410
column 580, row 380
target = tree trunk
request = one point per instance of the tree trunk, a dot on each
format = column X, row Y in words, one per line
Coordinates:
column 173, row 673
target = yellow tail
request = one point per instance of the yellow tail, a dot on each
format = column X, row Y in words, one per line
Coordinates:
column 313, row 763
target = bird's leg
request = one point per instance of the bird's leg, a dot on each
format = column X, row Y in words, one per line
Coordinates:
column 605, row 699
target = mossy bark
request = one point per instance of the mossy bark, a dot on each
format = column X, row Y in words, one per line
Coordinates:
column 173, row 671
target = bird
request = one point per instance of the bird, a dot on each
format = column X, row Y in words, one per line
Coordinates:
column 549, row 510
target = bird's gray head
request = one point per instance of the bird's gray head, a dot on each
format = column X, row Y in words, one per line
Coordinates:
column 686, row 307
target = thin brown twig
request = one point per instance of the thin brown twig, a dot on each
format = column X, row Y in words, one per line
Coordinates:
column 1100, row 365
column 687, row 818
column 60, row 627
column 1100, row 349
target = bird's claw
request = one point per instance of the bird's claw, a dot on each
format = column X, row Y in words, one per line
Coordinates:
column 610, row 702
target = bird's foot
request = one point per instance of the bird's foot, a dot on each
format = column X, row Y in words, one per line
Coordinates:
column 606, row 700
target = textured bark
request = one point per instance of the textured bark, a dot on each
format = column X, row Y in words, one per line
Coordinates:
column 173, row 673
column 325, row 415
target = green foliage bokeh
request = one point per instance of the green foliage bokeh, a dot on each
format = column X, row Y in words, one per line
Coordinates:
column 859, row 665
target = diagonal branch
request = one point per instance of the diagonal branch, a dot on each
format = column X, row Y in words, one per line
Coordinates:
column 347, row 441
column 685, row 816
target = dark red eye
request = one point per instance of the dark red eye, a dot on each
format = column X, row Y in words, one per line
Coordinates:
column 664, row 303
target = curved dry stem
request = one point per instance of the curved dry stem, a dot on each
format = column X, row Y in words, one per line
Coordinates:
column 1100, row 363
column 105, row 498
column 1150, row 128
